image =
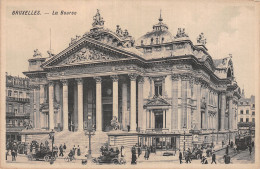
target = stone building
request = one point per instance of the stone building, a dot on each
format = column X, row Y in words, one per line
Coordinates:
column 163, row 89
column 246, row 114
column 18, row 106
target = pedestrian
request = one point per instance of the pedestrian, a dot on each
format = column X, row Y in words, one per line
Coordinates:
column 122, row 151
column 13, row 155
column 78, row 151
column 222, row 143
column 74, row 150
column 213, row 158
column 180, row 156
column 250, row 149
column 146, row 154
column 61, row 150
column 133, row 155
column 64, row 146
column 139, row 151
column 231, row 144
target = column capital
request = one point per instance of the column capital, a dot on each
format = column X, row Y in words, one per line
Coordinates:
column 141, row 80
column 185, row 76
column 79, row 81
column 98, row 79
column 51, row 83
column 114, row 78
column 132, row 76
column 64, row 82
column 175, row 77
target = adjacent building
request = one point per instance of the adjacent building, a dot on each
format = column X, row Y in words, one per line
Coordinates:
column 18, row 106
column 246, row 114
column 163, row 89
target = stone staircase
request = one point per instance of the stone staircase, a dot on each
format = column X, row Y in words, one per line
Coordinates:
column 73, row 138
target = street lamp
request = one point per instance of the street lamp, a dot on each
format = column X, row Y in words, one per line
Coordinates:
column 88, row 131
column 52, row 141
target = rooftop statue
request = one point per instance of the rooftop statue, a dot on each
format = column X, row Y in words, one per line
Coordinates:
column 126, row 34
column 50, row 53
column 73, row 40
column 181, row 33
column 119, row 30
column 201, row 39
column 97, row 20
column 37, row 53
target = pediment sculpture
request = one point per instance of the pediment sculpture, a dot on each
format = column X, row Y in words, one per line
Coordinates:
column 85, row 55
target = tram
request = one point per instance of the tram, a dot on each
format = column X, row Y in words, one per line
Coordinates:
column 243, row 141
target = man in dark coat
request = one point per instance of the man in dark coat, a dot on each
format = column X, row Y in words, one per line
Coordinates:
column 250, row 149
column 61, row 151
column 213, row 158
column 133, row 155
column 64, row 146
column 180, row 157
column 139, row 151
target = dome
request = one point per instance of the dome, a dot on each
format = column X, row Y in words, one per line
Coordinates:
column 155, row 37
column 159, row 35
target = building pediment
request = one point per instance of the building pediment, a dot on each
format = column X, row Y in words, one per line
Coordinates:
column 157, row 103
column 89, row 51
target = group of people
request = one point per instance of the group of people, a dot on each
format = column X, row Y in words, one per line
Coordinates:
column 13, row 148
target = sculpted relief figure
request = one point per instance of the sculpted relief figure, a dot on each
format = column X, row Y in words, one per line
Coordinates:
column 119, row 30
column 87, row 55
column 181, row 33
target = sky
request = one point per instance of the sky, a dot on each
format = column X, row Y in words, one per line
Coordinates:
column 228, row 27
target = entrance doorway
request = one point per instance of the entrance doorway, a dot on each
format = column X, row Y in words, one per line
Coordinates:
column 158, row 120
column 107, row 116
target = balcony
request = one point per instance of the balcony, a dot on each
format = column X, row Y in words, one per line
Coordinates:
column 12, row 114
column 15, row 99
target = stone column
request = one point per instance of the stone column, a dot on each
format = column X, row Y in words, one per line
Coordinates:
column 223, row 109
column 174, row 116
column 206, row 109
column 41, row 102
column 98, row 104
column 124, row 104
column 80, row 103
column 151, row 87
column 115, row 95
column 141, row 114
column 65, row 105
column 164, row 119
column 51, row 108
column 133, row 77
column 230, row 117
column 198, row 111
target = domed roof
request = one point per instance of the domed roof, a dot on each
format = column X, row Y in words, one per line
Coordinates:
column 159, row 35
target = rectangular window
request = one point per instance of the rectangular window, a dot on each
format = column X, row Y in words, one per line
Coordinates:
column 15, row 110
column 241, row 111
column 157, row 48
column 20, row 94
column 158, row 88
column 253, row 105
column 253, row 120
column 9, row 93
column 253, row 113
column 247, row 120
column 15, row 94
column 247, row 111
column 241, row 119
column 148, row 50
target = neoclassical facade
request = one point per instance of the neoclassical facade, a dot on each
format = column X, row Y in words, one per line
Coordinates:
column 162, row 88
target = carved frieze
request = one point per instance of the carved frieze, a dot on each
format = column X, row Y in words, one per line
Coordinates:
column 87, row 55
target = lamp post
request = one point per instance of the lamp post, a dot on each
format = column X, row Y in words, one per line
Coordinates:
column 52, row 141
column 184, row 127
column 89, row 132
